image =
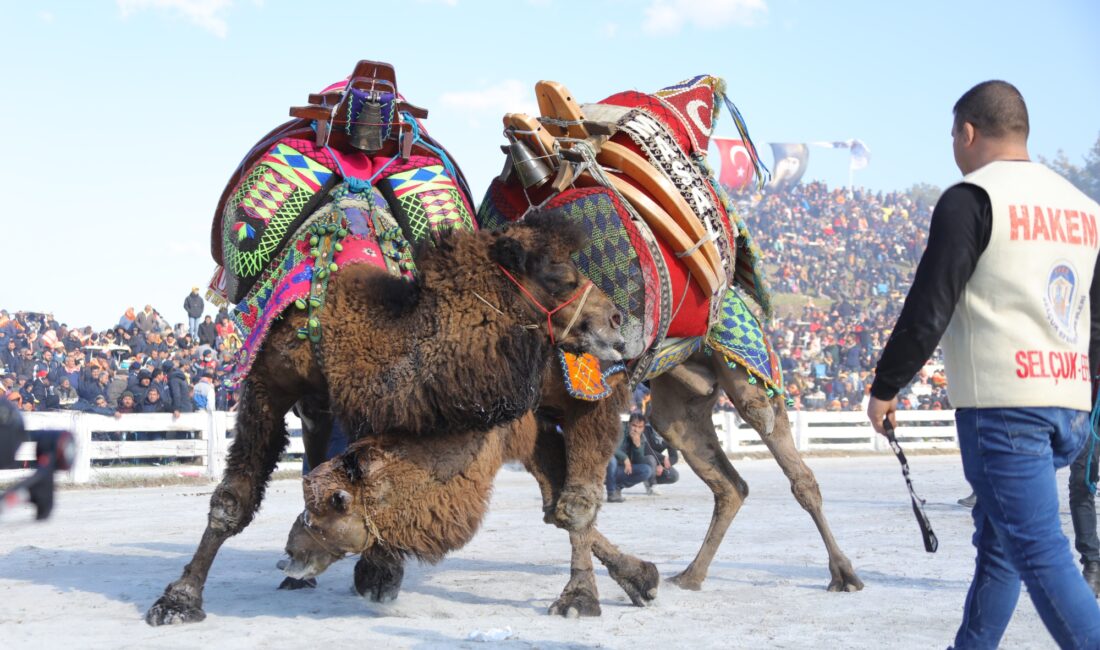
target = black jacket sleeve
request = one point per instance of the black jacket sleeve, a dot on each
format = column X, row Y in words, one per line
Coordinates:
column 961, row 224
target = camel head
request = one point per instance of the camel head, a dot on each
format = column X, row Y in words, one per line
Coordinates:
column 335, row 522
column 536, row 254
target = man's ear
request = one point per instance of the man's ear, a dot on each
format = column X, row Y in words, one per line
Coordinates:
column 967, row 133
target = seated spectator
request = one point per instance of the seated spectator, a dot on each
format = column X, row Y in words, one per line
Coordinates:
column 666, row 457
column 66, row 394
column 629, row 465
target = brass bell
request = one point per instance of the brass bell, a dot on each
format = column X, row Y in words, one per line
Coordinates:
column 531, row 170
column 365, row 133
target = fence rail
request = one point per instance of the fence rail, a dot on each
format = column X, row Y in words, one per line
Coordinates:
column 210, row 439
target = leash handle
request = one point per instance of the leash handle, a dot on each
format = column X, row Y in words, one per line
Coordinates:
column 931, row 542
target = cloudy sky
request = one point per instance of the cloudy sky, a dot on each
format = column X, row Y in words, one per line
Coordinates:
column 124, row 119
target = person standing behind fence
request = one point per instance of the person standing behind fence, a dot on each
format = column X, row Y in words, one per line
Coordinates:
column 1007, row 275
column 205, row 395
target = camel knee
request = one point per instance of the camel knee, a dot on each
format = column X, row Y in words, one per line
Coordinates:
column 228, row 513
column 760, row 417
column 806, row 491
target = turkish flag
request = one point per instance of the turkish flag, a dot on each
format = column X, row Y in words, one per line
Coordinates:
column 737, row 170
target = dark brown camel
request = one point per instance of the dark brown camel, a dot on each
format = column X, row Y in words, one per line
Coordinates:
column 463, row 348
column 390, row 497
column 683, row 401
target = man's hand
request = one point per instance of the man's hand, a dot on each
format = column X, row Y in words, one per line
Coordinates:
column 660, row 469
column 879, row 409
column 627, row 467
column 666, row 463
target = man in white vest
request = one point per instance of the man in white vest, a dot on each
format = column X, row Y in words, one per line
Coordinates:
column 1007, row 281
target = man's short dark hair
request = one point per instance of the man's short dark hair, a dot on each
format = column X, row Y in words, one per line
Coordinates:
column 995, row 108
column 636, row 417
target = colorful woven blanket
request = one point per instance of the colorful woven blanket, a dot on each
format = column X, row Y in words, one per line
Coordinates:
column 301, row 213
column 670, row 129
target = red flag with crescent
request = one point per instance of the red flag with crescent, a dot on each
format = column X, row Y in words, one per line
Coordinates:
column 737, row 171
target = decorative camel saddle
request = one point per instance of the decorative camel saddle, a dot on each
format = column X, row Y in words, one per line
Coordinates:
column 353, row 179
column 665, row 241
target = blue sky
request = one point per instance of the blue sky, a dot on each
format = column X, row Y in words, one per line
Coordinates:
column 124, row 118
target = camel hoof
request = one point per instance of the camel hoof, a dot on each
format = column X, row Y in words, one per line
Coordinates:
column 682, row 581
column 641, row 584
column 166, row 611
column 574, row 604
column 577, row 508
column 297, row 583
column 849, row 583
column 380, row 583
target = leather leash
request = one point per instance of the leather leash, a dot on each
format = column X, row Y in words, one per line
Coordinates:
column 931, row 543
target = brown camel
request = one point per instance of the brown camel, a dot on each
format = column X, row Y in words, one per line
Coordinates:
column 683, row 401
column 389, row 497
column 463, row 348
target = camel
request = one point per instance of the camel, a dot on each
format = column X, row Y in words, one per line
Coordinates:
column 463, row 348
column 683, row 400
column 645, row 160
column 389, row 497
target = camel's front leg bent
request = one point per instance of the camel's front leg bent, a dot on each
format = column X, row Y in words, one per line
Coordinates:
column 591, row 431
column 638, row 578
column 261, row 437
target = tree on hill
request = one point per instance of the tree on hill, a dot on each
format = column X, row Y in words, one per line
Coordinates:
column 1086, row 177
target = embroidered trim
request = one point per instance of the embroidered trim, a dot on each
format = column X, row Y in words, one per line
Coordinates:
column 584, row 380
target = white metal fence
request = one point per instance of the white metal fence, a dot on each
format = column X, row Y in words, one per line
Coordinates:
column 207, row 446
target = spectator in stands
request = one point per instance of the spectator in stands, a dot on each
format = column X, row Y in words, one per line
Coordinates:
column 207, row 333
column 66, row 394
column 205, row 394
column 145, row 381
column 126, row 403
column 179, row 388
column 146, row 320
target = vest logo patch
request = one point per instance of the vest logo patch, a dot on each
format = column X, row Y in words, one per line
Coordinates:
column 1064, row 300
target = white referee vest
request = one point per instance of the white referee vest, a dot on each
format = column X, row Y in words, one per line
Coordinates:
column 1019, row 336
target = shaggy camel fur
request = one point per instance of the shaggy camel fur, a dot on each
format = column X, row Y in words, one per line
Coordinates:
column 395, row 356
column 389, row 497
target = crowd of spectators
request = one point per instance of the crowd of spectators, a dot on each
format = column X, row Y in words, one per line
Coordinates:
column 838, row 264
column 142, row 365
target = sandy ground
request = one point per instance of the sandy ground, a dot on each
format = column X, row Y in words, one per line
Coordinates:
column 86, row 577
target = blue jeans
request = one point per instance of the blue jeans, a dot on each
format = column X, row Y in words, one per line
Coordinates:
column 1009, row 457
column 337, row 443
column 617, row 478
column 193, row 326
column 1082, row 503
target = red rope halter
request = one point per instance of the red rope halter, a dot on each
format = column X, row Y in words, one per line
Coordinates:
column 549, row 312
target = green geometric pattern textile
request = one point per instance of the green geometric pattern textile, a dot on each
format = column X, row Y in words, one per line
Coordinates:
column 245, row 263
column 738, row 335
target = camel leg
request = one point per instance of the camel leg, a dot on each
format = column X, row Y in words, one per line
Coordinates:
column 683, row 400
column 261, row 438
column 580, row 597
column 769, row 418
column 638, row 578
column 591, row 431
column 378, row 575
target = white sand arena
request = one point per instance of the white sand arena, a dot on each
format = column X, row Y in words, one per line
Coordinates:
column 85, row 578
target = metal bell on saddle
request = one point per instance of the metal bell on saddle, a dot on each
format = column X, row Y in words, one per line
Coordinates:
column 531, row 170
column 366, row 131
